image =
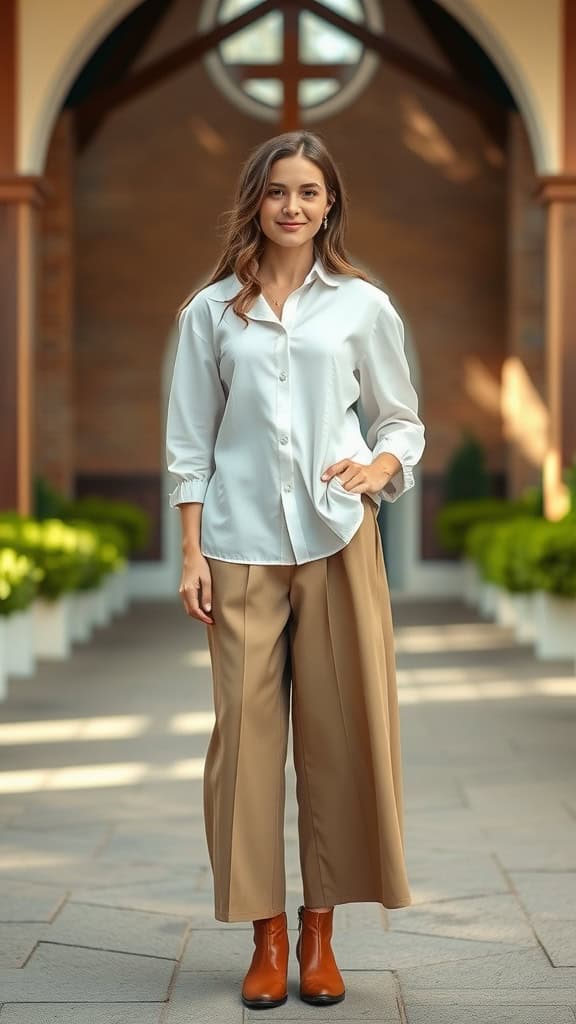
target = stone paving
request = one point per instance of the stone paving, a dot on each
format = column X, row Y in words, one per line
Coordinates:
column 106, row 902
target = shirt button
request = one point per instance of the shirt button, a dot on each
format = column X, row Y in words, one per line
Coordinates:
column 284, row 439
column 283, row 375
column 287, row 487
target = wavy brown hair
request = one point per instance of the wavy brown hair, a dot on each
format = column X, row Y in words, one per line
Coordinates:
column 244, row 240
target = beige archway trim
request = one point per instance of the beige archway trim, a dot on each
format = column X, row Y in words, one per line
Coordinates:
column 56, row 39
column 525, row 42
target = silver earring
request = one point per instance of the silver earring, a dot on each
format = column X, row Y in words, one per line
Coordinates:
column 325, row 221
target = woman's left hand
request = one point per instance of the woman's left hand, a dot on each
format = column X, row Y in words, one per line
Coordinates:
column 358, row 478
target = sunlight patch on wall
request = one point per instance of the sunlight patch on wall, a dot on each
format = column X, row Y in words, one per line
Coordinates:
column 423, row 136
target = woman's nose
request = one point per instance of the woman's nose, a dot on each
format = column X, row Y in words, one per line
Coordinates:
column 291, row 205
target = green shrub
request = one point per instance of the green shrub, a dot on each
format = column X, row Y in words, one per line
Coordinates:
column 526, row 554
column 48, row 502
column 133, row 521
column 455, row 520
column 466, row 478
column 19, row 580
column 555, row 558
column 70, row 557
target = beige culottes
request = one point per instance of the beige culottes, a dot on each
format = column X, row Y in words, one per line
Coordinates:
column 317, row 637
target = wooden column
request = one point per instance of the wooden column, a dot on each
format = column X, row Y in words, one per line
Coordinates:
column 20, row 197
column 558, row 192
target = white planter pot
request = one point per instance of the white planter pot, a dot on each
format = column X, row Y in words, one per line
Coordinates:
column 471, row 577
column 488, row 599
column 82, row 619
column 107, row 608
column 100, row 610
column 505, row 608
column 111, row 600
column 3, row 682
column 524, row 615
column 555, row 625
column 122, row 589
column 19, row 657
column 52, row 627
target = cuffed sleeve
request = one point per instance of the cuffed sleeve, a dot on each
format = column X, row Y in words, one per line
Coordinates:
column 195, row 407
column 390, row 402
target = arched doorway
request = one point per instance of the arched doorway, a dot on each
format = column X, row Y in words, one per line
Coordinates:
column 398, row 519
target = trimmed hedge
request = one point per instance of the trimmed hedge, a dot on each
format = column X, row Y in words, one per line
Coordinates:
column 19, row 580
column 455, row 520
column 70, row 557
column 129, row 519
column 134, row 522
column 526, row 554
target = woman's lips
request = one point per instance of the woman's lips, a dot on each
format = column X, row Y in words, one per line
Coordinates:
column 291, row 227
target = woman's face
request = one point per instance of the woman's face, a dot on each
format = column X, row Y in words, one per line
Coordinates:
column 296, row 195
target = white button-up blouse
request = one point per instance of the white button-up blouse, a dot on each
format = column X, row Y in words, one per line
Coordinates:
column 257, row 413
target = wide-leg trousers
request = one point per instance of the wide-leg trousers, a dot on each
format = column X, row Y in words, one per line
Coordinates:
column 314, row 640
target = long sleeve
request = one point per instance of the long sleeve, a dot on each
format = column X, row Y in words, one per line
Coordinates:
column 195, row 407
column 390, row 402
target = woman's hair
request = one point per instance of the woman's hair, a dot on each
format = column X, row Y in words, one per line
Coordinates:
column 244, row 240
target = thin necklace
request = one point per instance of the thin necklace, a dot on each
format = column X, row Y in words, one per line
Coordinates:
column 277, row 302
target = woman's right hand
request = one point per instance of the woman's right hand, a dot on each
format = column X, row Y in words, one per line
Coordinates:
column 196, row 588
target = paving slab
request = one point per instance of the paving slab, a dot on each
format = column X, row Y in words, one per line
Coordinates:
column 543, row 892
column 82, row 1013
column 128, row 931
column 25, row 853
column 206, row 997
column 528, row 970
column 538, row 855
column 480, row 918
column 17, row 942
column 176, row 895
column 89, row 875
column 69, row 974
column 393, row 950
column 558, row 937
column 497, row 998
column 174, row 844
column 523, row 1014
column 445, row 874
column 27, row 902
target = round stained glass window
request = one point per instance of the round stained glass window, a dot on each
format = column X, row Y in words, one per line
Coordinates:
column 252, row 66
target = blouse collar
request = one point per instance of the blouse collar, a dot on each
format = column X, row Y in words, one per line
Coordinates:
column 228, row 287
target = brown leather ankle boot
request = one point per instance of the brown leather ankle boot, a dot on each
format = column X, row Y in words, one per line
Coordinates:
column 320, row 979
column 265, row 983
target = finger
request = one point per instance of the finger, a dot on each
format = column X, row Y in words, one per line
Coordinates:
column 333, row 470
column 357, row 479
column 186, row 595
column 207, row 594
column 352, row 472
column 197, row 611
column 190, row 595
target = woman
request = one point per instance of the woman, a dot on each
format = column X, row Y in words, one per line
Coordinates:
column 282, row 560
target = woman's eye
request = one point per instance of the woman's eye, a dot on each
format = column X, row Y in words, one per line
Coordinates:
column 311, row 193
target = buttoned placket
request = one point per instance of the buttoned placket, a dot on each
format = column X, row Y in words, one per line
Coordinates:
column 293, row 535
